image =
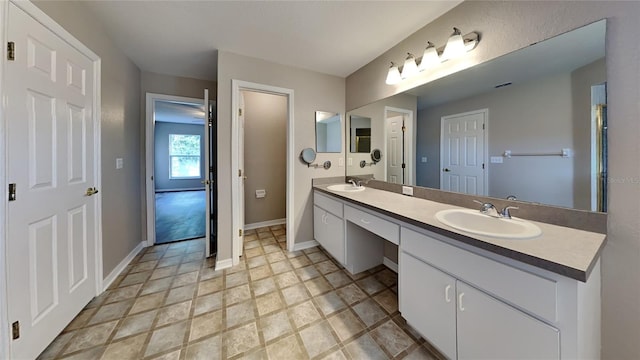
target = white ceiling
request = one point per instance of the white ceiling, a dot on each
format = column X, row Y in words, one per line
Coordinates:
column 333, row 37
column 179, row 112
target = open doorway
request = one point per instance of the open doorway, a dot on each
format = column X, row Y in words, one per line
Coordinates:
column 398, row 142
column 268, row 101
column 180, row 164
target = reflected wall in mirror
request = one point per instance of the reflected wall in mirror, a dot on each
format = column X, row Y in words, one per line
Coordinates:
column 391, row 123
column 359, row 134
column 328, row 132
column 542, row 103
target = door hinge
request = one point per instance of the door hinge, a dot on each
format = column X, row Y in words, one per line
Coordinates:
column 240, row 232
column 483, row 166
column 404, row 165
column 11, row 51
column 404, row 128
column 482, row 126
column 12, row 192
column 239, row 172
column 239, row 112
column 15, row 330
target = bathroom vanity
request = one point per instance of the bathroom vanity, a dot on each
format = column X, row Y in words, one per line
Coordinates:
column 472, row 296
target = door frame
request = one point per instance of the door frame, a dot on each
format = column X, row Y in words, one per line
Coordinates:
column 409, row 143
column 151, row 98
column 57, row 29
column 236, row 87
column 485, row 155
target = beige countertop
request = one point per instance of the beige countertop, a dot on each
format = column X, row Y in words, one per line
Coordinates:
column 565, row 251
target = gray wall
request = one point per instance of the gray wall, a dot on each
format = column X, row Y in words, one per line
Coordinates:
column 313, row 91
column 507, row 26
column 265, row 156
column 161, row 163
column 121, row 138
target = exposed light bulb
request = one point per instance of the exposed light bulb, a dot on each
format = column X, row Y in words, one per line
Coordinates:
column 410, row 67
column 455, row 46
column 393, row 76
column 430, row 57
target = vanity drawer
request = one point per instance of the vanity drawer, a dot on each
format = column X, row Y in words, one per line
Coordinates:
column 381, row 227
column 531, row 292
column 327, row 203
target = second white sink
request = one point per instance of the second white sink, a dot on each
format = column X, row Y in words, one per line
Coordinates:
column 345, row 188
column 474, row 222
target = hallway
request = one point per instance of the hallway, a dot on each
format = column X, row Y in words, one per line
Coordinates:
column 169, row 303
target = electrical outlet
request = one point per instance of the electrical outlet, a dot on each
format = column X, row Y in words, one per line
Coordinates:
column 407, row 190
column 341, row 161
column 424, row 159
column 119, row 163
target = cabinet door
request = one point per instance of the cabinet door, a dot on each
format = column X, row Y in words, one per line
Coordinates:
column 491, row 329
column 427, row 302
column 328, row 230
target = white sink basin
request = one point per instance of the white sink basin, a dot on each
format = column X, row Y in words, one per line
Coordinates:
column 345, row 188
column 474, row 222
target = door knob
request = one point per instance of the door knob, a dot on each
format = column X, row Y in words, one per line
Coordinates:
column 91, row 191
column 446, row 170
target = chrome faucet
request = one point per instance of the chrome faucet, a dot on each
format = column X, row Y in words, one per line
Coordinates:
column 490, row 210
column 505, row 212
column 354, row 183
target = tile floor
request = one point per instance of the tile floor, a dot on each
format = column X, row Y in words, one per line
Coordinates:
column 169, row 303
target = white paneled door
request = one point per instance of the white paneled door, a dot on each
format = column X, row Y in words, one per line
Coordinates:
column 395, row 148
column 52, row 235
column 462, row 151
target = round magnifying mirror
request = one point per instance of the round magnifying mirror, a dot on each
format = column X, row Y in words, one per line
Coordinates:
column 308, row 155
column 376, row 155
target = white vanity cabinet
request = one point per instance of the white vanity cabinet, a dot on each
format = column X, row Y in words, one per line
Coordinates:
column 471, row 307
column 328, row 225
column 465, row 323
column 468, row 302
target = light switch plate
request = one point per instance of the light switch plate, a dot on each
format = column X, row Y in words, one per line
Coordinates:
column 407, row 190
column 119, row 163
column 424, row 159
column 341, row 162
column 497, row 159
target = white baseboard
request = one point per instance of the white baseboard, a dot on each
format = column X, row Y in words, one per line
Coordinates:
column 174, row 190
column 223, row 264
column 123, row 264
column 305, row 245
column 390, row 264
column 265, row 223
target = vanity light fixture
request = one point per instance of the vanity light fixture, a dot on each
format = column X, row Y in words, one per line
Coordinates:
column 393, row 76
column 410, row 67
column 456, row 46
column 430, row 57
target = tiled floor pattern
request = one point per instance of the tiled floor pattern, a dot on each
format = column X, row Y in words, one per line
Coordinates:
column 170, row 304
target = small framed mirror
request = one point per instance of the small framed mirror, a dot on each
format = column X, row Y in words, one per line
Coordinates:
column 360, row 134
column 328, row 132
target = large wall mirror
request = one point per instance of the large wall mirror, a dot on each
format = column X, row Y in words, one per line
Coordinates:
column 328, row 132
column 531, row 124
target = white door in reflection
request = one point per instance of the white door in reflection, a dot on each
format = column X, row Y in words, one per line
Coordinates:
column 462, row 152
column 395, row 148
